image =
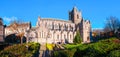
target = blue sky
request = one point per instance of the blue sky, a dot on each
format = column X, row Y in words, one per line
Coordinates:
column 28, row 10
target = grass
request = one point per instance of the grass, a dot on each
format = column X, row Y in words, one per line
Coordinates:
column 103, row 48
column 70, row 46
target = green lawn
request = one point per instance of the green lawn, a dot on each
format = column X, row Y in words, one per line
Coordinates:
column 103, row 48
column 70, row 46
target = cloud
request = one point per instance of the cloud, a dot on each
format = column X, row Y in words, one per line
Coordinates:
column 9, row 19
column 97, row 29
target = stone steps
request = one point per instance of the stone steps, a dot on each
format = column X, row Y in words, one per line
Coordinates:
column 42, row 51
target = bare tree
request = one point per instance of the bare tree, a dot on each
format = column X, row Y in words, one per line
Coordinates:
column 15, row 28
column 112, row 24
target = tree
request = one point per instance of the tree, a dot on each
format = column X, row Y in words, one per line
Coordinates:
column 15, row 28
column 112, row 24
column 77, row 38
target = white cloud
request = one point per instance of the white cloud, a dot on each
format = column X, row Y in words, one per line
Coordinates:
column 9, row 19
column 97, row 29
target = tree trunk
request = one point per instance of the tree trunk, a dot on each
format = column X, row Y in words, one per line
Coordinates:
column 21, row 40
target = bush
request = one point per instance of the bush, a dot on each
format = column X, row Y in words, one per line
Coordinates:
column 99, row 49
column 77, row 38
column 64, row 53
column 20, row 50
column 50, row 46
column 115, row 53
column 59, row 54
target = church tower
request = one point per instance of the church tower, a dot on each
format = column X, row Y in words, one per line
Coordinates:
column 75, row 16
column 83, row 26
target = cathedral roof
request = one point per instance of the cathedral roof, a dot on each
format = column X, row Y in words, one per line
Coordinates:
column 33, row 28
column 55, row 19
column 27, row 24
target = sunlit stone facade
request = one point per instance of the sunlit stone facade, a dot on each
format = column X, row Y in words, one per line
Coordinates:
column 50, row 30
column 55, row 31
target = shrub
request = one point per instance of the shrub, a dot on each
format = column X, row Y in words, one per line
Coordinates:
column 64, row 53
column 50, row 46
column 99, row 49
column 20, row 50
column 115, row 53
column 77, row 38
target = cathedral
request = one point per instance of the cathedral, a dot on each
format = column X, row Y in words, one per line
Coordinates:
column 52, row 30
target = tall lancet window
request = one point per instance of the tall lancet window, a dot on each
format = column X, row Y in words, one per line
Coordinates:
column 57, row 37
column 52, row 25
column 77, row 16
column 65, row 27
column 59, row 26
column 64, row 36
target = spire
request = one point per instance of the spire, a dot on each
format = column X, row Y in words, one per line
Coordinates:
column 38, row 22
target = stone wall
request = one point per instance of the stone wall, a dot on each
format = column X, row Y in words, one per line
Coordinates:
column 1, row 31
column 55, row 31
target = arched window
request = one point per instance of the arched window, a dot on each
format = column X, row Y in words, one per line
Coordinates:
column 88, row 39
column 65, row 27
column 52, row 25
column 77, row 16
column 45, row 24
column 59, row 26
column 70, row 37
column 56, row 26
column 57, row 37
column 64, row 36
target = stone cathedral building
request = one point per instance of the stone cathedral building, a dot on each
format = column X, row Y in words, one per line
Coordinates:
column 51, row 30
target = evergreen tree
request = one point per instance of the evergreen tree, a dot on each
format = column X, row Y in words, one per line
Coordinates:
column 77, row 38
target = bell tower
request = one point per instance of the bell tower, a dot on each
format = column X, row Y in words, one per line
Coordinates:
column 75, row 16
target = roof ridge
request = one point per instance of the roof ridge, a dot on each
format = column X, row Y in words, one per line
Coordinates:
column 56, row 19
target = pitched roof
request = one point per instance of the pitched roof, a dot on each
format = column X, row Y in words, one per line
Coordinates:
column 19, row 25
column 55, row 19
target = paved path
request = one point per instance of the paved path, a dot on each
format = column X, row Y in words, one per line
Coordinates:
column 43, row 52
